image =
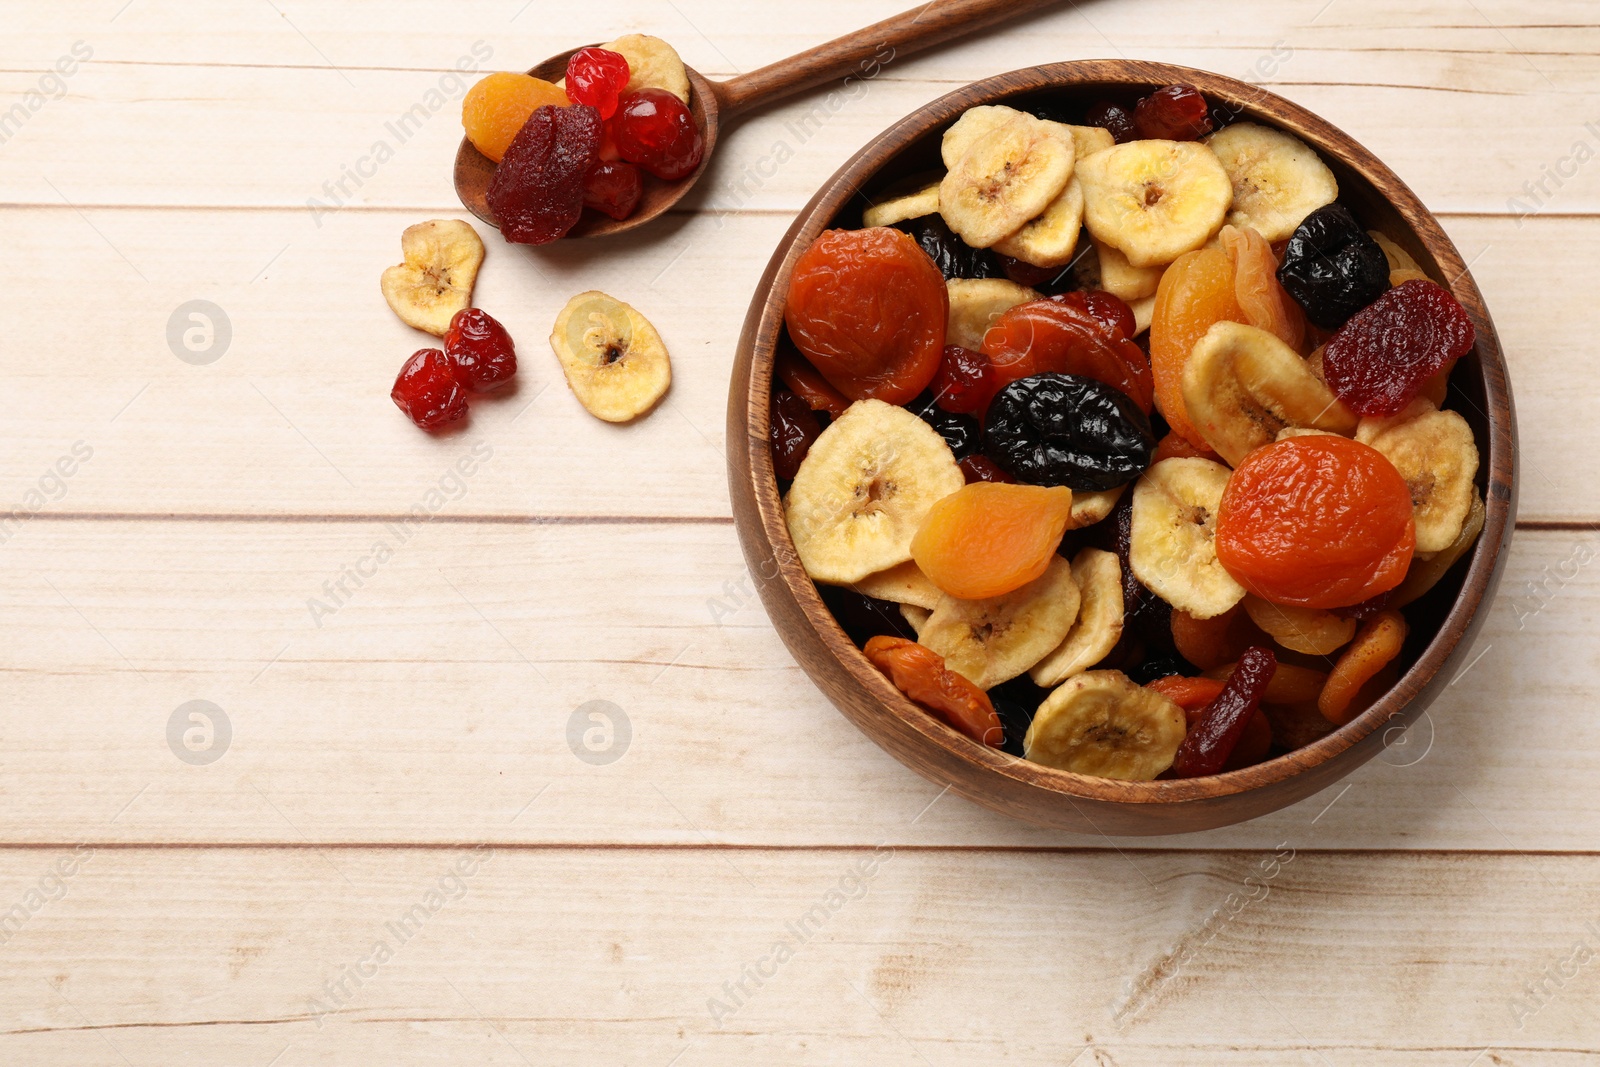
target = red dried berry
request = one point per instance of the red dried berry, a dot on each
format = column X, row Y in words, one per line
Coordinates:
column 983, row 469
column 537, row 190
column 794, row 428
column 964, row 382
column 596, row 76
column 1173, row 113
column 1113, row 118
column 655, row 130
column 427, row 391
column 613, row 187
column 1379, row 360
column 482, row 354
column 1211, row 740
column 1108, row 310
column 1027, row 274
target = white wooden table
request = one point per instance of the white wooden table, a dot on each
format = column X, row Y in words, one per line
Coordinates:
column 392, row 845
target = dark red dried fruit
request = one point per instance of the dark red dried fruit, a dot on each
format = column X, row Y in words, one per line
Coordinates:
column 1211, row 740
column 537, row 190
column 613, row 187
column 1027, row 274
column 1173, row 113
column 794, row 428
column 964, row 382
column 597, row 76
column 655, row 130
column 1379, row 360
column 482, row 354
column 427, row 391
column 983, row 469
column 1108, row 310
column 1113, row 118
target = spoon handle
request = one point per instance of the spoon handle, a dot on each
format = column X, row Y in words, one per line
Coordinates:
column 864, row 53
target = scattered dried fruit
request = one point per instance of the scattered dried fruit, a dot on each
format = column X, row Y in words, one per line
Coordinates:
column 482, row 354
column 613, row 358
column 427, row 391
column 442, row 258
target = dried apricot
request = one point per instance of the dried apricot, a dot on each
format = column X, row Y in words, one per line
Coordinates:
column 497, row 108
column 1196, row 292
column 809, row 384
column 988, row 538
column 868, row 308
column 1176, row 446
column 1049, row 336
column 1316, row 522
column 1210, row 643
column 1190, row 694
column 920, row 674
column 1375, row 647
column 1265, row 302
column 1290, row 684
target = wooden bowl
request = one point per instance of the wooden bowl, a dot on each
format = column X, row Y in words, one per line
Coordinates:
column 1443, row 624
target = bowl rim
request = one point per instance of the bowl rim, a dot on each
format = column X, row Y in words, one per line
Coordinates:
column 1248, row 102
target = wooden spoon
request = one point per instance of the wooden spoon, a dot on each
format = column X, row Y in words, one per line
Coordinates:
column 861, row 54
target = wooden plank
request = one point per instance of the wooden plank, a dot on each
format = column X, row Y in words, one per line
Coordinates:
column 438, row 701
column 292, row 418
column 550, row 956
column 267, row 111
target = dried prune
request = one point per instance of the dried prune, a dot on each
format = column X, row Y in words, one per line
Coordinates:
column 1064, row 429
column 868, row 309
column 960, row 431
column 1380, row 359
column 1158, row 667
column 1114, row 118
column 863, row 617
column 1332, row 268
column 981, row 468
column 1211, row 740
column 1016, row 702
column 537, row 190
column 1173, row 113
column 794, row 428
column 953, row 256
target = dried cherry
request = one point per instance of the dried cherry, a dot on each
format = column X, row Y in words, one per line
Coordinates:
column 655, row 129
column 613, row 186
column 537, row 190
column 1045, row 336
column 427, row 391
column 597, row 76
column 1173, row 113
column 482, row 354
column 964, row 382
column 1316, row 522
column 868, row 308
column 1382, row 357
column 1114, row 118
column 953, row 256
column 1065, row 429
column 1211, row 740
column 1332, row 268
column 794, row 428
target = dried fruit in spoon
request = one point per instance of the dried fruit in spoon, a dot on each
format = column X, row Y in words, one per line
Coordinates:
column 613, row 358
column 1062, row 429
column 921, row 675
column 597, row 77
column 653, row 63
column 986, row 539
column 1316, row 522
column 1380, row 359
column 1376, row 646
column 1207, row 746
column 1332, row 268
column 614, row 187
column 657, row 131
column 499, row 105
column 868, row 308
column 537, row 190
column 482, row 354
column 427, row 391
column 435, row 282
